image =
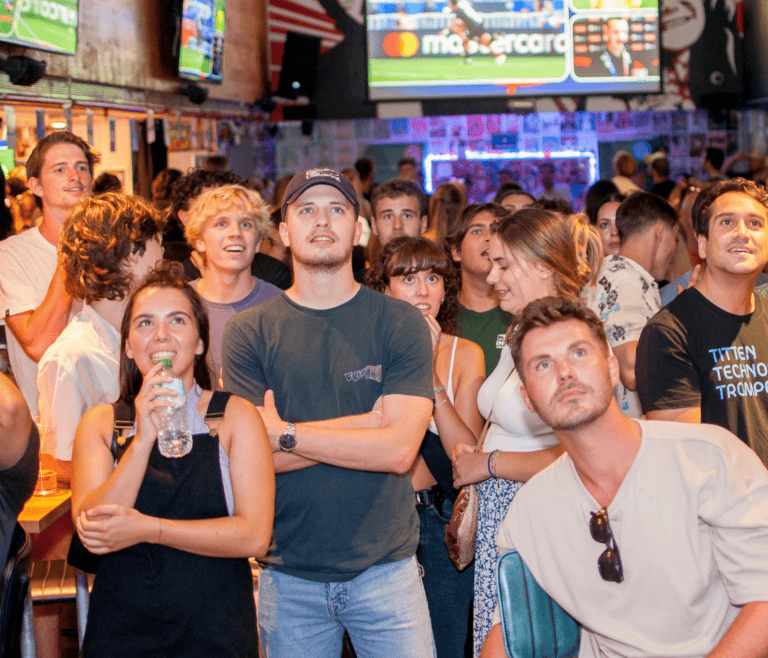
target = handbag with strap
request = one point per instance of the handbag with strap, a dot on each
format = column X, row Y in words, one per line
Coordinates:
column 461, row 531
column 533, row 624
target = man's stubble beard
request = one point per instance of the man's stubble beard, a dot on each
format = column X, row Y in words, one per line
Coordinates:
column 327, row 264
column 580, row 418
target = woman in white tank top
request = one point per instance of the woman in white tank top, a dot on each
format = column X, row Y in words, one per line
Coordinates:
column 534, row 253
column 419, row 272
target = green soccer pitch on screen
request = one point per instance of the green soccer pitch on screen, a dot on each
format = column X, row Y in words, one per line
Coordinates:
column 45, row 24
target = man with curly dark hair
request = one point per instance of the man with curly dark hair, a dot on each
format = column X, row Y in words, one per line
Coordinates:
column 108, row 244
column 33, row 301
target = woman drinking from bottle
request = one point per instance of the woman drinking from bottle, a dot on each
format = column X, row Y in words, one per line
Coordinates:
column 174, row 534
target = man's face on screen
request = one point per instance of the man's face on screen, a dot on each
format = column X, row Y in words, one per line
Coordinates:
column 617, row 34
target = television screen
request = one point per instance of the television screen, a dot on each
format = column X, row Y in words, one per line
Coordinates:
column 445, row 48
column 44, row 25
column 201, row 50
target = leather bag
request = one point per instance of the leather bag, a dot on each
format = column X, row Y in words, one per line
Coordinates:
column 461, row 531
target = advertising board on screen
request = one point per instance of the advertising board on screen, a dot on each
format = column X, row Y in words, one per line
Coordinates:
column 445, row 48
column 201, row 50
column 45, row 24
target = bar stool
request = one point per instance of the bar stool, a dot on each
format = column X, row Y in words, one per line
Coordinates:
column 55, row 581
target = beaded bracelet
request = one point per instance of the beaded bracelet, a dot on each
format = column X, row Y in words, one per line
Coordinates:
column 492, row 469
column 494, row 463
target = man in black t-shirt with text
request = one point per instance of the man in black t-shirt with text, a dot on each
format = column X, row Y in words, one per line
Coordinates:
column 704, row 357
column 344, row 375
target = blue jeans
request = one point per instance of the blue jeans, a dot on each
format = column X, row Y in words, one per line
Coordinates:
column 449, row 592
column 384, row 610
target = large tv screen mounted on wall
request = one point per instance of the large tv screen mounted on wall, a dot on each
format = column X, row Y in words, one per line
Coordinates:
column 45, row 24
column 201, row 51
column 448, row 48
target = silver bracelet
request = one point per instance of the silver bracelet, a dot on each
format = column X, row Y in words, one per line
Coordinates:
column 443, row 402
column 439, row 390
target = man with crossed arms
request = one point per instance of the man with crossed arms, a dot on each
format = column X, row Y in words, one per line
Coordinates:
column 320, row 355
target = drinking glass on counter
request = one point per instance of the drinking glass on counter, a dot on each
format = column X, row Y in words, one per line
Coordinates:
column 47, row 483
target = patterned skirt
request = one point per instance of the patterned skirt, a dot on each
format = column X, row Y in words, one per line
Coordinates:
column 495, row 497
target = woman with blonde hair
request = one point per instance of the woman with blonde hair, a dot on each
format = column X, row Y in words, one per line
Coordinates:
column 534, row 253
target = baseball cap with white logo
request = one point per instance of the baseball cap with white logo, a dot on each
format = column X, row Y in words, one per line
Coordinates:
column 306, row 179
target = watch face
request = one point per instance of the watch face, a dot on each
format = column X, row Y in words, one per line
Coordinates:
column 287, row 442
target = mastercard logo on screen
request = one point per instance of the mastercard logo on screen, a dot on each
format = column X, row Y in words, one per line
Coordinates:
column 401, row 44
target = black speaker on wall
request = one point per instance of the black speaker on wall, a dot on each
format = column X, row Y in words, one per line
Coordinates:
column 299, row 69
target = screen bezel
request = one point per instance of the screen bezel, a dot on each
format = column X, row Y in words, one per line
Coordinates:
column 533, row 95
column 191, row 77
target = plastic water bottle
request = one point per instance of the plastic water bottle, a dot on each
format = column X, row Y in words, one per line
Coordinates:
column 174, row 438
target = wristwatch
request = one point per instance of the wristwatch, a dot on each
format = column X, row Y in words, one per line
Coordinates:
column 287, row 440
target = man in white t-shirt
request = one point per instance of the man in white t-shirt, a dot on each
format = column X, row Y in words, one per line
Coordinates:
column 33, row 301
column 653, row 535
column 108, row 245
column 626, row 295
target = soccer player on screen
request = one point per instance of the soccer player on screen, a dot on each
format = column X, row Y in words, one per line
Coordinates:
column 467, row 23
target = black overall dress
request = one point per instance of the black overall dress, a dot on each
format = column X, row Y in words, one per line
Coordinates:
column 152, row 600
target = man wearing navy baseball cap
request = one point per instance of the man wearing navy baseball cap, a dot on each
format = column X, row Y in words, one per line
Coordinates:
column 344, row 377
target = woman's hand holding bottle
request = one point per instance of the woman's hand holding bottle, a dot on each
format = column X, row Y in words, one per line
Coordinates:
column 151, row 398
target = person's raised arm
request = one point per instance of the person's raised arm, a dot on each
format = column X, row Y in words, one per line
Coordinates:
column 37, row 330
column 625, row 355
column 15, row 424
column 460, row 421
column 470, row 467
column 247, row 533
column 739, row 156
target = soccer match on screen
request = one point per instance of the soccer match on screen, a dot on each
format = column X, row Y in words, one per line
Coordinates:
column 40, row 23
column 202, row 40
column 436, row 48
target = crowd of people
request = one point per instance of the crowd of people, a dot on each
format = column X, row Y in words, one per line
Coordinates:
column 340, row 395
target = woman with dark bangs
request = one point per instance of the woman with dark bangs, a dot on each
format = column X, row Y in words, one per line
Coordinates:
column 420, row 272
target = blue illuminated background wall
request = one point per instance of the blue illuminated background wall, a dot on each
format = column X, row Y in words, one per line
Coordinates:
column 683, row 134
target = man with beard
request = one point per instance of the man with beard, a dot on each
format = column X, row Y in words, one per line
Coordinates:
column 651, row 534
column 350, row 372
